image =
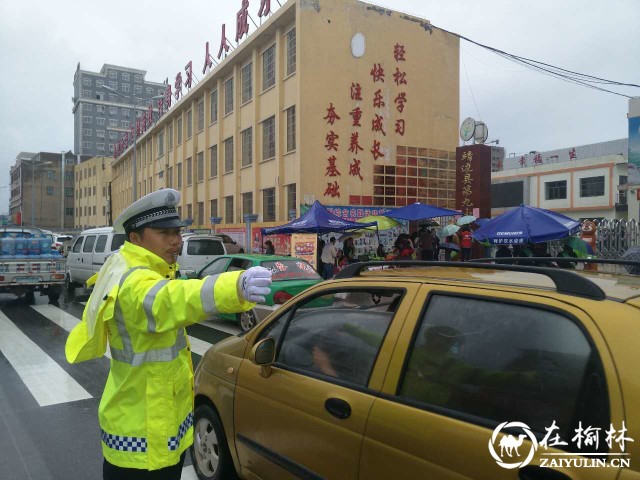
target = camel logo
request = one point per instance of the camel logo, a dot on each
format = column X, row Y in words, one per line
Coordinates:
column 510, row 446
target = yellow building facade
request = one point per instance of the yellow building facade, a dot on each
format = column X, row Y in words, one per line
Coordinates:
column 92, row 190
column 332, row 100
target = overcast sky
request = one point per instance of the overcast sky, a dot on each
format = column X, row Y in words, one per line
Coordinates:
column 41, row 43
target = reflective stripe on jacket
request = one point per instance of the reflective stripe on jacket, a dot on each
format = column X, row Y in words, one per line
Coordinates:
column 146, row 411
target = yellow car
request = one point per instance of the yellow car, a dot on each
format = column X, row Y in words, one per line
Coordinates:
column 459, row 371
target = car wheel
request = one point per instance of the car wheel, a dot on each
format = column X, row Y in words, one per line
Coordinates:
column 210, row 452
column 247, row 320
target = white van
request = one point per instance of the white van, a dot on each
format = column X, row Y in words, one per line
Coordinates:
column 198, row 250
column 88, row 253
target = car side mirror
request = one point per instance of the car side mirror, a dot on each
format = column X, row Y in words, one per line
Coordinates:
column 263, row 354
column 192, row 275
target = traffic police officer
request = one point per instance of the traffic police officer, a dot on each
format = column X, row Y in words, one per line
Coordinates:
column 146, row 410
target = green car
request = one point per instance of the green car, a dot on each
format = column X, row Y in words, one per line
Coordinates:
column 291, row 276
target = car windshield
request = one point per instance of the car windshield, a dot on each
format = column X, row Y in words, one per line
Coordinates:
column 205, row 247
column 294, row 269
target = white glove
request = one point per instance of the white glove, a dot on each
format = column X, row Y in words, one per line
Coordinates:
column 254, row 284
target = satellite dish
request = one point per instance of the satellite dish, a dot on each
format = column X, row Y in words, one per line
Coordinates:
column 481, row 132
column 467, row 128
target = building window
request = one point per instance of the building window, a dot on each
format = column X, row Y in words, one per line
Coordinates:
column 291, row 128
column 556, row 190
column 291, row 51
column 189, row 124
column 100, row 95
column 99, row 83
column 213, row 161
column 200, row 214
column 113, row 122
column 213, row 105
column 100, row 146
column 87, row 107
column 87, row 132
column 189, row 211
column 113, row 74
column 228, row 96
column 86, row 93
column 291, row 197
column 228, row 209
column 49, row 190
column 137, row 89
column 99, row 121
column 200, row 116
column 160, row 144
column 247, row 82
column 126, row 77
column 269, row 68
column 68, row 177
column 86, row 81
column 113, row 85
column 179, row 171
column 100, row 108
column 126, row 87
column 228, row 155
column 170, row 177
column 86, row 144
column 189, row 171
column 179, row 131
column 149, row 91
column 170, row 137
column 592, row 186
column 200, row 166
column 49, row 174
column 213, row 207
column 125, row 112
column 137, row 78
column 113, row 135
column 113, row 110
column 247, row 203
column 269, row 205
column 68, row 211
column 247, row 147
column 112, row 97
column 124, row 123
column 269, row 138
column 86, row 119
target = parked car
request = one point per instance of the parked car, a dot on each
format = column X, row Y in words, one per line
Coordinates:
column 290, row 276
column 62, row 243
column 197, row 250
column 440, row 372
column 88, row 253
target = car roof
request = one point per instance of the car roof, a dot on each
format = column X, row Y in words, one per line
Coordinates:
column 262, row 257
column 97, row 230
column 614, row 286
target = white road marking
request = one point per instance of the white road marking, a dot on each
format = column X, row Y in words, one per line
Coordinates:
column 222, row 325
column 188, row 473
column 62, row 319
column 46, row 380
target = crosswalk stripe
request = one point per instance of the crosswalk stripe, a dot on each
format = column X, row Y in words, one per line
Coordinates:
column 46, row 380
column 223, row 326
column 67, row 322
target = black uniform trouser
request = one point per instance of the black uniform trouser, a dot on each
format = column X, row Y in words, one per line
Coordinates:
column 112, row 472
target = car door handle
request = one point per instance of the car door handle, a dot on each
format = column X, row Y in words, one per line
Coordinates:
column 533, row 472
column 338, row 408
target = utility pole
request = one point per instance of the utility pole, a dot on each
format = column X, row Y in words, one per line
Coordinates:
column 62, row 193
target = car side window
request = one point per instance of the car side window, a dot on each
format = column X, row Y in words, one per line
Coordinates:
column 88, row 244
column 214, row 268
column 101, row 243
column 117, row 241
column 78, row 245
column 335, row 335
column 497, row 361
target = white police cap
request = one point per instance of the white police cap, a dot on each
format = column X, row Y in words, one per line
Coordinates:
column 155, row 210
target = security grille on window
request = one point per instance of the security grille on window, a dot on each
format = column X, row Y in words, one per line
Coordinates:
column 213, row 207
column 189, row 124
column 291, row 51
column 291, row 129
column 200, row 115
column 247, row 82
column 228, row 155
column 213, row 161
column 200, row 166
column 247, row 147
column 213, row 106
column 556, row 190
column 269, row 68
column 228, row 209
column 247, row 203
column 228, row 96
column 592, row 186
column 269, row 204
column 269, row 138
column 179, row 172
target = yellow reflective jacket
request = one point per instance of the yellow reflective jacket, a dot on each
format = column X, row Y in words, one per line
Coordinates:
column 146, row 411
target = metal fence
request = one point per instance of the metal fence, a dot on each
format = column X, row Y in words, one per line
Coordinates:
column 614, row 237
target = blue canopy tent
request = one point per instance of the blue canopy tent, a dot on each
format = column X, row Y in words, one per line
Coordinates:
column 420, row 211
column 317, row 220
column 527, row 224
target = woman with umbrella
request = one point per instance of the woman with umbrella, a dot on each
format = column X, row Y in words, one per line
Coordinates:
column 451, row 245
